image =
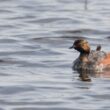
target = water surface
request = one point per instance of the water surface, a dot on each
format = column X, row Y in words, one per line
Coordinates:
column 35, row 62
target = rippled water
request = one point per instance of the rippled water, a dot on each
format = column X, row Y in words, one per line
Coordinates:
column 35, row 62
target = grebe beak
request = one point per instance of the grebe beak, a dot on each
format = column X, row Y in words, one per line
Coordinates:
column 72, row 47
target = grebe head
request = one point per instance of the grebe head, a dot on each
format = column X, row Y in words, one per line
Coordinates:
column 81, row 45
column 98, row 48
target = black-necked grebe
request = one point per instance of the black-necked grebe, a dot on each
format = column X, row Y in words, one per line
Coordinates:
column 90, row 60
